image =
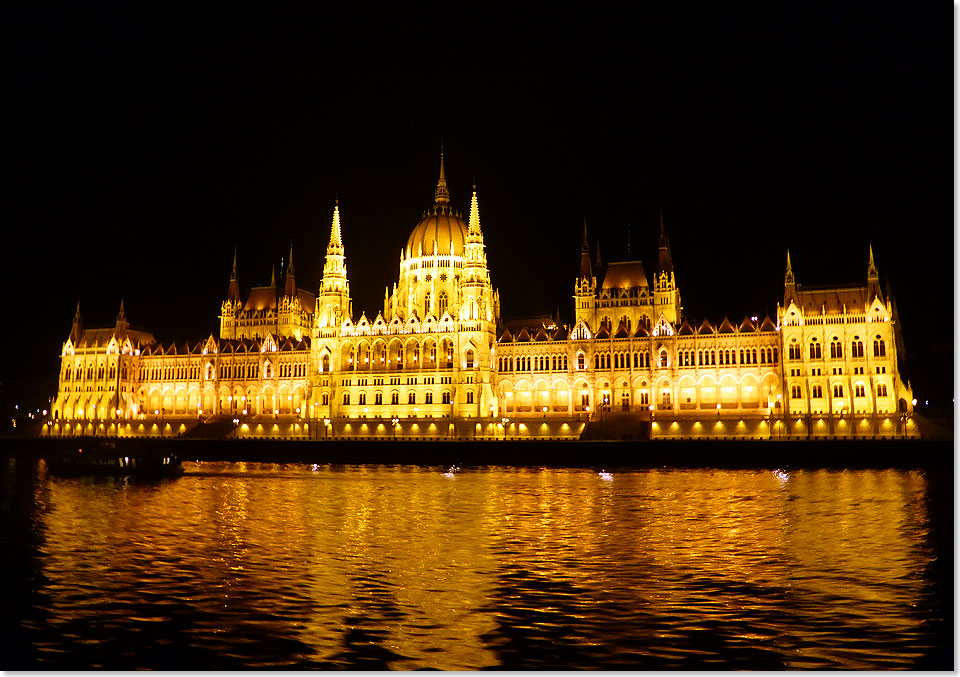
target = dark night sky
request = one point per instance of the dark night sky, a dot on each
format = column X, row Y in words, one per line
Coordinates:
column 142, row 145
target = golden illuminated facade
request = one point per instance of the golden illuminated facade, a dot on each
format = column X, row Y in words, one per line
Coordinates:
column 437, row 362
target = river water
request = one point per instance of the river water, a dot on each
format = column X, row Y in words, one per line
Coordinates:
column 236, row 566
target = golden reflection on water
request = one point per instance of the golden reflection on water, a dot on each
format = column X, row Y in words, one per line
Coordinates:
column 402, row 567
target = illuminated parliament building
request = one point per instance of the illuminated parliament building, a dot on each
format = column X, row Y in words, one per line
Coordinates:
column 437, row 361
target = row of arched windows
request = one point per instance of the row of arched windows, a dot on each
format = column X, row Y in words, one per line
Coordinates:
column 445, row 398
column 816, row 391
column 836, row 349
column 532, row 363
column 702, row 358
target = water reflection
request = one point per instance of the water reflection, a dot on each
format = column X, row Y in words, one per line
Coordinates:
column 262, row 565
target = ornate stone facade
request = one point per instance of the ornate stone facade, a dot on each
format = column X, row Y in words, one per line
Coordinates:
column 437, row 361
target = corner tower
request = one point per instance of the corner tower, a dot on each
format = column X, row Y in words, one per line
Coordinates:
column 666, row 294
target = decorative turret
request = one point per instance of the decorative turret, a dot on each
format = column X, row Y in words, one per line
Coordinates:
column 473, row 249
column 289, row 280
column 666, row 294
column 333, row 302
column 585, row 288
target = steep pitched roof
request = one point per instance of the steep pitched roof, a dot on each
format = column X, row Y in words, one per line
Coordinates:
column 505, row 337
column 602, row 332
column 624, row 275
column 747, row 325
column 832, row 299
column 685, row 329
column 642, row 330
column 767, row 324
column 523, row 336
column 622, row 331
column 706, row 327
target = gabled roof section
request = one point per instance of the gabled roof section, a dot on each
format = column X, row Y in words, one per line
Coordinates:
column 685, row 329
column 706, row 327
column 523, row 336
column 642, row 330
column 602, row 332
column 561, row 334
column 622, row 331
column 747, row 325
column 505, row 337
column 726, row 327
column 767, row 324
column 542, row 335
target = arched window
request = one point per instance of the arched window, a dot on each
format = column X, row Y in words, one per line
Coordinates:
column 776, row 355
column 741, row 356
column 879, row 347
column 442, row 303
column 428, row 398
column 445, row 397
column 815, row 352
column 859, row 390
column 394, row 397
column 411, row 397
column 795, row 392
column 378, row 398
column 816, row 391
column 469, row 396
column 837, row 390
column 363, row 398
column 663, row 359
column 469, row 359
column 426, row 303
column 856, row 347
column 346, row 398
column 836, row 349
column 581, row 361
column 881, row 390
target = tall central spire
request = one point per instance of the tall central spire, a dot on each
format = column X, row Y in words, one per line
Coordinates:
column 441, row 195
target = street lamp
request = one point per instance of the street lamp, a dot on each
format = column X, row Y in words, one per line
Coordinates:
column 396, row 422
column 326, row 425
column 505, row 422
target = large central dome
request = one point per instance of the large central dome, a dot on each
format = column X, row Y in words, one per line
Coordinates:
column 442, row 226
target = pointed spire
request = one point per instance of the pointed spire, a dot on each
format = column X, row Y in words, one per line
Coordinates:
column 77, row 327
column 441, row 195
column 289, row 280
column 789, row 283
column 474, row 227
column 665, row 259
column 586, row 271
column 273, row 275
column 121, row 316
column 335, row 240
column 233, row 289
column 873, row 279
